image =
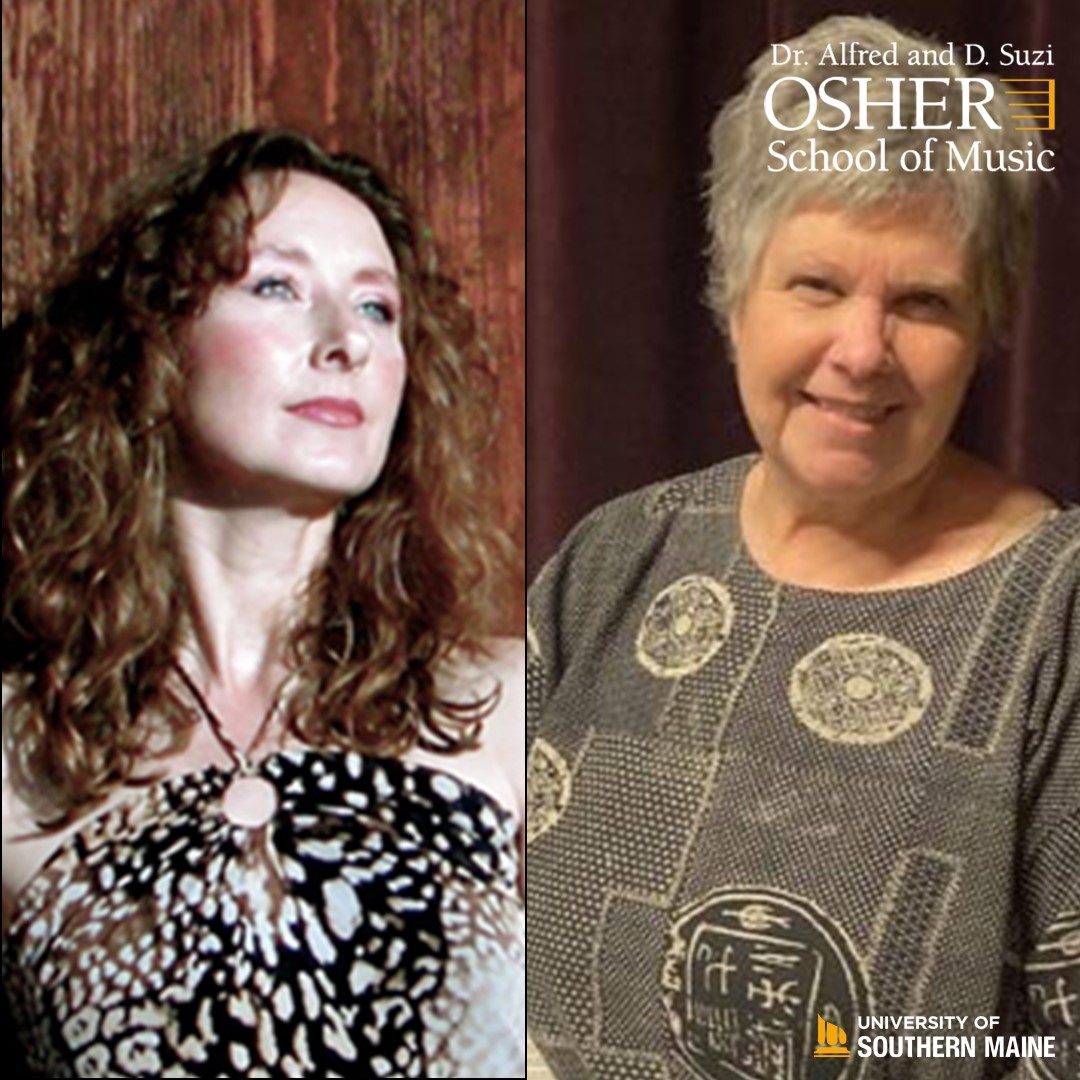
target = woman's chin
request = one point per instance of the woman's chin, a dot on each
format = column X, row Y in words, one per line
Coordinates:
column 835, row 475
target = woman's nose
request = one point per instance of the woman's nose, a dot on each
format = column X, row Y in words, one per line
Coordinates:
column 341, row 340
column 862, row 343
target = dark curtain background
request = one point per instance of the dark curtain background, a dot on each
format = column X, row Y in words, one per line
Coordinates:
column 627, row 379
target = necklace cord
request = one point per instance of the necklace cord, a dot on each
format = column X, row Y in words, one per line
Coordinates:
column 239, row 757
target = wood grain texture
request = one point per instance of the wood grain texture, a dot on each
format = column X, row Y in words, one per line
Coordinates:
column 99, row 91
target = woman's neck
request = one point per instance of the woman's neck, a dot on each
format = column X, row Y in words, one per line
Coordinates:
column 245, row 570
column 943, row 521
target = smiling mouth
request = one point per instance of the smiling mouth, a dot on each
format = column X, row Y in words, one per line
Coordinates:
column 861, row 412
column 329, row 411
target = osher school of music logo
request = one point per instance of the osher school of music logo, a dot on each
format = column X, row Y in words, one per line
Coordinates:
column 1030, row 105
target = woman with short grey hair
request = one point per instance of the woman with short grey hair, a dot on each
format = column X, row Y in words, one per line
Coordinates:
column 803, row 726
column 754, row 181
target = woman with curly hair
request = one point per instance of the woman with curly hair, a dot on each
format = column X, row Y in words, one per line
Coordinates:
column 262, row 753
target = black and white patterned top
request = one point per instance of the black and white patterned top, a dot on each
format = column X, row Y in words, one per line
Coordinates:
column 372, row 928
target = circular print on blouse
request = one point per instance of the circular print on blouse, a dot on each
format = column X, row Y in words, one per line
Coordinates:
column 684, row 627
column 860, row 688
column 548, row 789
column 760, row 984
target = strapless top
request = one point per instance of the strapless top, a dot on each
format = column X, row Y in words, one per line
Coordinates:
column 372, row 927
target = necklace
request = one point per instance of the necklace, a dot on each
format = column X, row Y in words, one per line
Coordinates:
column 249, row 800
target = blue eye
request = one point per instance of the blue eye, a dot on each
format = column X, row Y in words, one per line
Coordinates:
column 379, row 310
column 274, row 288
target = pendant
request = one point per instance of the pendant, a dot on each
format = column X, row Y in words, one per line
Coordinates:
column 250, row 801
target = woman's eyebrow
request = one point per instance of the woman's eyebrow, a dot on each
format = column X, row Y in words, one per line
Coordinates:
column 292, row 254
column 301, row 257
column 378, row 275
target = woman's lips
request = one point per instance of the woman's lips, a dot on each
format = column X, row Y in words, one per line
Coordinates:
column 866, row 414
column 331, row 411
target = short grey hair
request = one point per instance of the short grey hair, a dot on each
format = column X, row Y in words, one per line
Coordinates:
column 994, row 211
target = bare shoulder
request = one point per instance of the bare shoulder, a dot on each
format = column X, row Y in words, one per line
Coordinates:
column 26, row 843
column 506, row 667
column 501, row 659
column 498, row 670
column 494, row 674
column 18, row 821
column 506, row 725
column 14, row 808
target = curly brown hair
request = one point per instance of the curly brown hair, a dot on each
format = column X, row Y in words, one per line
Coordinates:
column 94, row 602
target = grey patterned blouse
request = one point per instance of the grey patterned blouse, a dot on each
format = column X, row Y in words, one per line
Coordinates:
column 372, row 928
column 759, row 814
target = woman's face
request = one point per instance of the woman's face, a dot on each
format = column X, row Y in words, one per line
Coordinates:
column 855, row 343
column 295, row 372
